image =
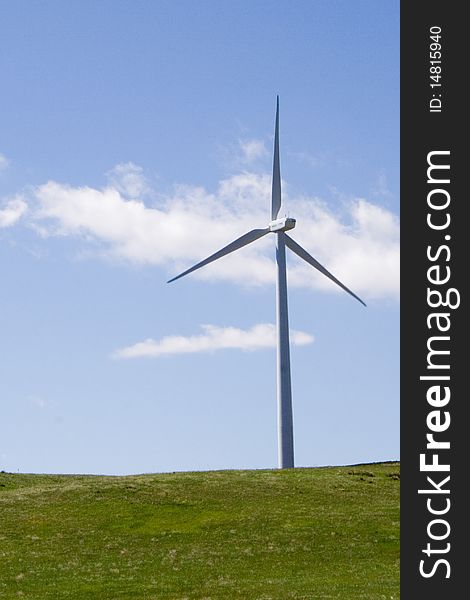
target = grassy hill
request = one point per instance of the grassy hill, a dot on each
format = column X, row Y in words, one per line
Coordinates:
column 323, row 533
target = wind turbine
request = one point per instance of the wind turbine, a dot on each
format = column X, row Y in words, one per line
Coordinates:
column 279, row 227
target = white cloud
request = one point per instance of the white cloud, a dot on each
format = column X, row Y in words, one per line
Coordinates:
column 252, row 150
column 380, row 188
column 38, row 401
column 309, row 159
column 360, row 245
column 214, row 338
column 12, row 211
column 129, row 180
column 362, row 250
column 4, row 163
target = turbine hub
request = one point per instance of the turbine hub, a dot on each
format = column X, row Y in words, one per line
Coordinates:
column 282, row 224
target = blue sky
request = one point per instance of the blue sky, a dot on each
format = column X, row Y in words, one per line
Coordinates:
column 136, row 139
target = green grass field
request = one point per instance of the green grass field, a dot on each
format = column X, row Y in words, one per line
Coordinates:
column 305, row 533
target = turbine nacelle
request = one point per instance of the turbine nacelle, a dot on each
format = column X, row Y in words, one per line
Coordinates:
column 282, row 224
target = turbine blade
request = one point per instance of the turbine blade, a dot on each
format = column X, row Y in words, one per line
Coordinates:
column 312, row 261
column 276, row 189
column 249, row 237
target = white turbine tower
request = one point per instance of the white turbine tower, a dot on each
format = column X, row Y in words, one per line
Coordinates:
column 279, row 227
